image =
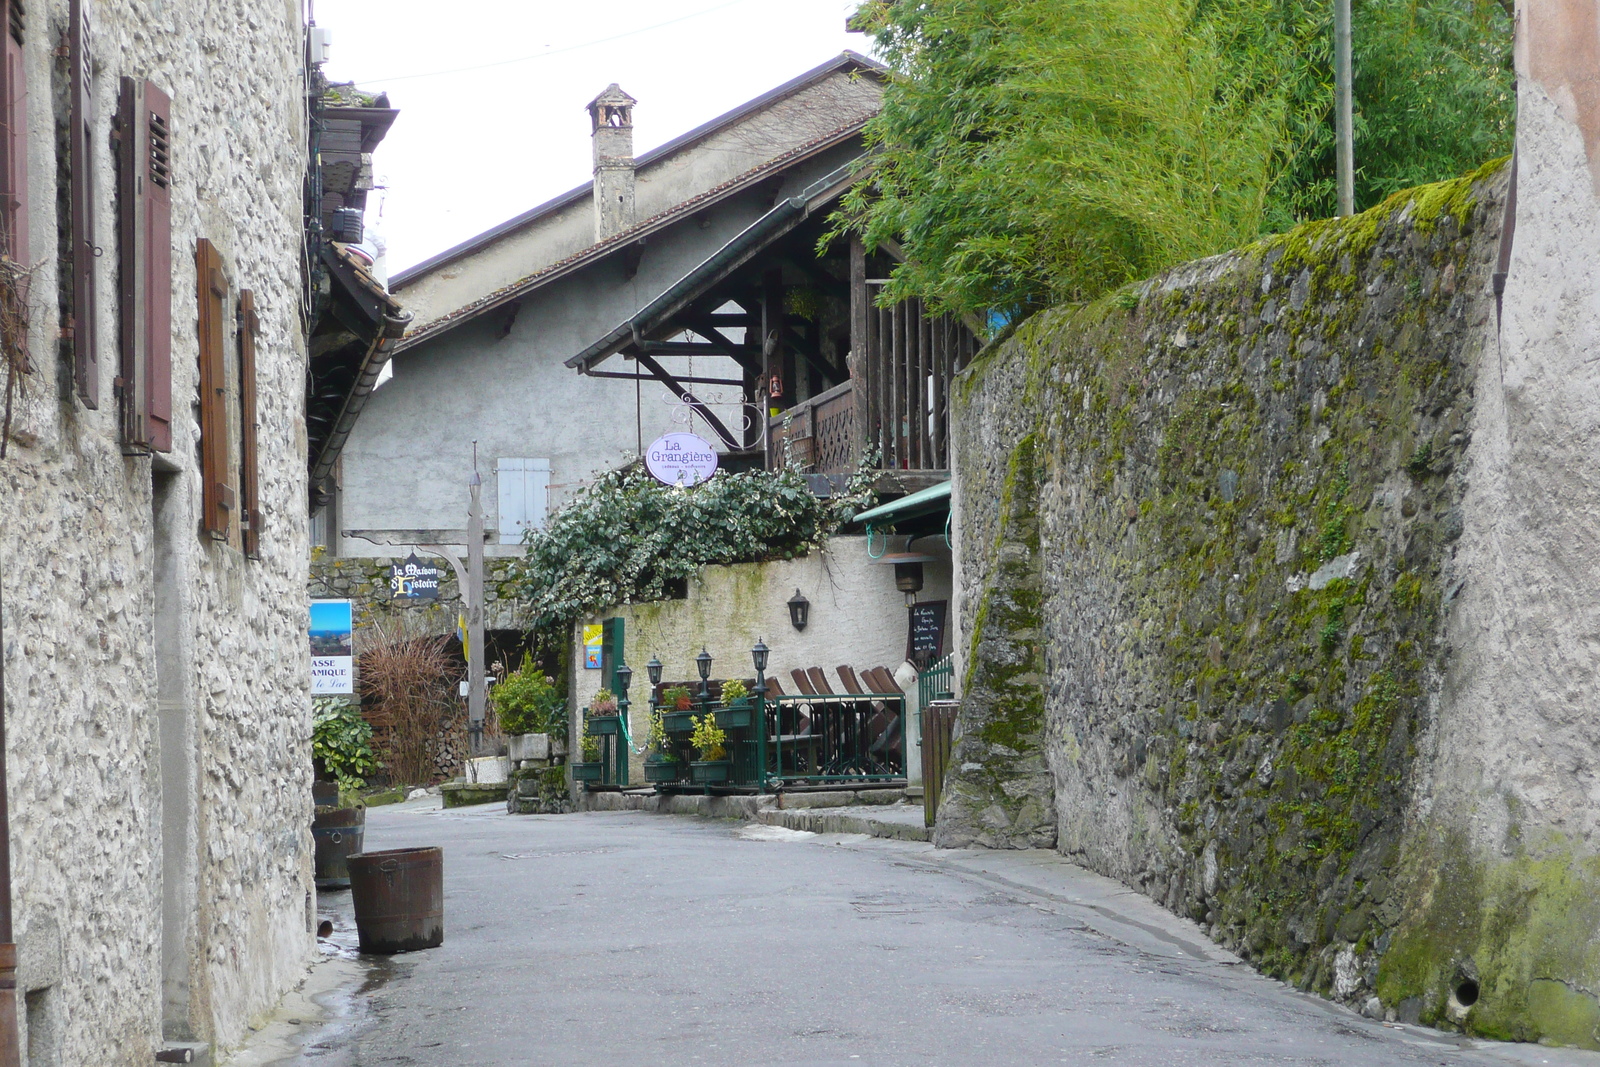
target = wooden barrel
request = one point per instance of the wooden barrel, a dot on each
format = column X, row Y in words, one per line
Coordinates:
column 398, row 895
column 325, row 794
column 337, row 834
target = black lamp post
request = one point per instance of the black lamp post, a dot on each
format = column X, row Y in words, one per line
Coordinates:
column 799, row 610
column 703, row 663
column 624, row 675
column 653, row 669
column 758, row 656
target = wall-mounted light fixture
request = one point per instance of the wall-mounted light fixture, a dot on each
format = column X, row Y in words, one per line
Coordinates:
column 799, row 610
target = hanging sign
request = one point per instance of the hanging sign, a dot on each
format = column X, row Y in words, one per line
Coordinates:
column 332, row 648
column 681, row 459
column 414, row 580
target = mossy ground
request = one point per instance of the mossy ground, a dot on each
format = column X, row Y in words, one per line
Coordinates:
column 1249, row 474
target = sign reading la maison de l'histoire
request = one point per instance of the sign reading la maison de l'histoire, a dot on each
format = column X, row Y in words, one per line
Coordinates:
column 414, row 580
column 332, row 648
column 681, row 459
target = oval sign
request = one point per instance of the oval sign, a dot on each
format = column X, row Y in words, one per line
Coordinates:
column 681, row 459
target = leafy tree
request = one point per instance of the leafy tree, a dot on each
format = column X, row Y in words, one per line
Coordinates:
column 1034, row 151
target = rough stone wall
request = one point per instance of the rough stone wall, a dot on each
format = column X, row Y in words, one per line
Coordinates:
column 1249, row 481
column 365, row 580
column 107, row 577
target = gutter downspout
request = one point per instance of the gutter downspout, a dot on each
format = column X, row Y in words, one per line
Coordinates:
column 10, row 1051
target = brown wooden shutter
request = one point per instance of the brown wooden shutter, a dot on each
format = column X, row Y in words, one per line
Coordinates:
column 249, row 484
column 145, row 203
column 85, row 347
column 14, row 140
column 216, row 495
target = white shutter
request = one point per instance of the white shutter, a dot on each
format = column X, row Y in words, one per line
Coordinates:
column 524, row 490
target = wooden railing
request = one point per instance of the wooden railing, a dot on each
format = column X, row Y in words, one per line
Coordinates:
column 817, row 436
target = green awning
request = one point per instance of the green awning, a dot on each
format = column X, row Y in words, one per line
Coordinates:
column 935, row 498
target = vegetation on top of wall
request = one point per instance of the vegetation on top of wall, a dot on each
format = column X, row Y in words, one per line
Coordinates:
column 1031, row 152
column 627, row 537
column 1250, row 488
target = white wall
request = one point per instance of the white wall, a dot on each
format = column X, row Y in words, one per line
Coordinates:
column 857, row 617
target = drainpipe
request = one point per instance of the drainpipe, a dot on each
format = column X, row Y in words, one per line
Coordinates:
column 10, row 1053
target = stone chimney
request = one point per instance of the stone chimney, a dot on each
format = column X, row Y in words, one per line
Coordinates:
column 612, row 115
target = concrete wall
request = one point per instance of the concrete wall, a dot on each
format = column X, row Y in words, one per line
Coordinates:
column 858, row 618
column 501, row 381
column 156, row 681
column 833, row 103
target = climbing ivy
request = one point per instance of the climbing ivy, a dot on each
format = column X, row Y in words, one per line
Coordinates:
column 628, row 537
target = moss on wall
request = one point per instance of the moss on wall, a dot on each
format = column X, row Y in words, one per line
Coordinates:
column 1248, row 477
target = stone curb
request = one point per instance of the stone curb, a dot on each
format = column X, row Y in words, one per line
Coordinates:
column 840, row 822
column 825, row 817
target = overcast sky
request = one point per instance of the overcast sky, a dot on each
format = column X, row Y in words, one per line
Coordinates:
column 501, row 132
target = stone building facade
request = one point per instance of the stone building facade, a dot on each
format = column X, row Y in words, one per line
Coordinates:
column 155, row 653
column 1285, row 612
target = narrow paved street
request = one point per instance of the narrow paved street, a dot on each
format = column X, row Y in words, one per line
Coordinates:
column 628, row 938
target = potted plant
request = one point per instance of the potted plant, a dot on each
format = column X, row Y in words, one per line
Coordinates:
column 529, row 710
column 603, row 717
column 736, row 712
column 591, row 769
column 677, row 713
column 710, row 745
column 660, row 765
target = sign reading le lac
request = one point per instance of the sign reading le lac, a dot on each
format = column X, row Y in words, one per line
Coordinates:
column 414, row 580
column 681, row 459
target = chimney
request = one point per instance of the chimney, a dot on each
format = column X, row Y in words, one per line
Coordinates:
column 612, row 115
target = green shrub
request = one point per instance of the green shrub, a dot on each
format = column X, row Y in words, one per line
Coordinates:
column 732, row 690
column 342, row 739
column 709, row 739
column 527, row 702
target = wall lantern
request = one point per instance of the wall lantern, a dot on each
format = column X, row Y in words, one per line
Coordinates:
column 799, row 610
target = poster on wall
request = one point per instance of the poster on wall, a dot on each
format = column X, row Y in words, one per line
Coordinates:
column 593, row 640
column 332, row 648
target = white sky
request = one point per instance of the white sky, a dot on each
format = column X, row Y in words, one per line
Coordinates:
column 477, row 146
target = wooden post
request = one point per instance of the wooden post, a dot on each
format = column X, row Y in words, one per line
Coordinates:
column 773, row 347
column 856, row 360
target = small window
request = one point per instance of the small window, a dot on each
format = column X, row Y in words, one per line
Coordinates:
column 524, row 490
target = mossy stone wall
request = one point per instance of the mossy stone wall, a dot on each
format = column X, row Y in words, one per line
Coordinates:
column 1207, row 531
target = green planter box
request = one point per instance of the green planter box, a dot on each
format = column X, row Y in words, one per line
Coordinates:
column 605, row 724
column 710, row 772
column 587, row 772
column 736, row 717
column 677, row 722
column 663, row 771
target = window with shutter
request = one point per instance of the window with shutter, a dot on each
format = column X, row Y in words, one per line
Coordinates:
column 85, row 349
column 14, row 141
column 145, row 239
column 249, row 484
column 524, row 487
column 216, row 495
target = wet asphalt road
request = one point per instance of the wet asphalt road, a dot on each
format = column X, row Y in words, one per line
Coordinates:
column 641, row 939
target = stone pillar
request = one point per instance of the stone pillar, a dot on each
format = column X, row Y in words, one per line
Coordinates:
column 611, row 118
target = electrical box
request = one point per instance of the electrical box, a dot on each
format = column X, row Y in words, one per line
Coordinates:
column 320, row 44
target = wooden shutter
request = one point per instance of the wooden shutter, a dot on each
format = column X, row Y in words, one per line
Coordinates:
column 85, row 349
column 216, row 495
column 144, row 153
column 14, row 140
column 249, row 485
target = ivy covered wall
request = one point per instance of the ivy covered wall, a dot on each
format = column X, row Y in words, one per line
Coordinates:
column 1208, row 534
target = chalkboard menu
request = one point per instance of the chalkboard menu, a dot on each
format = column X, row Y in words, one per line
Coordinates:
column 925, row 640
